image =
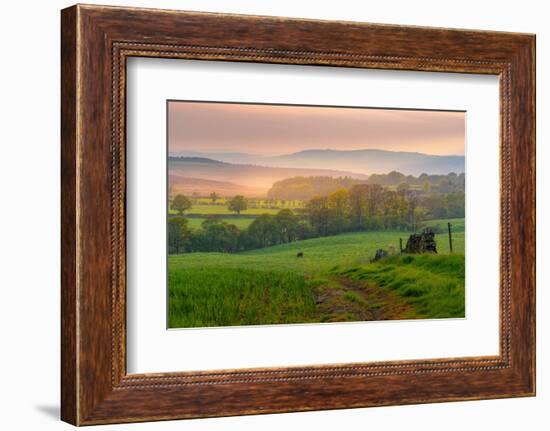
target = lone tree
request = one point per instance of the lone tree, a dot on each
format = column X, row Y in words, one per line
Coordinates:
column 237, row 204
column 181, row 204
column 214, row 197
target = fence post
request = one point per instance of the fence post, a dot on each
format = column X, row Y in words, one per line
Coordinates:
column 450, row 237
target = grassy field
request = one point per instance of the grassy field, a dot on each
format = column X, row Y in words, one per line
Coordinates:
column 333, row 281
column 199, row 212
column 237, row 296
column 204, row 206
column 458, row 229
column 457, row 224
column 222, row 209
column 432, row 284
column 253, row 202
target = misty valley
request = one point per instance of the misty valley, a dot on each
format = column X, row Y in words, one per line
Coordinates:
column 315, row 236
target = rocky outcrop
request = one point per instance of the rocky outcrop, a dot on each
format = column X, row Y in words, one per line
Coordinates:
column 423, row 242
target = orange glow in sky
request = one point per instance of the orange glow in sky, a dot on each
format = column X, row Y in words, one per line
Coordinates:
column 277, row 129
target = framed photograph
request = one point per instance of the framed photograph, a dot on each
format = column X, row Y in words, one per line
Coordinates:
column 284, row 214
column 266, row 215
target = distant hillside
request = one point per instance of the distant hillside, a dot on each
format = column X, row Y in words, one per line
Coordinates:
column 247, row 179
column 198, row 160
column 376, row 161
column 190, row 186
column 305, row 188
column 367, row 162
column 442, row 183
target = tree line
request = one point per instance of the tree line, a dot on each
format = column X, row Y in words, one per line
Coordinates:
column 305, row 188
column 182, row 203
column 374, row 207
column 358, row 208
column 217, row 235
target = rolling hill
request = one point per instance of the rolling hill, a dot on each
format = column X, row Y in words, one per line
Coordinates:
column 190, row 186
column 333, row 282
column 366, row 162
column 226, row 179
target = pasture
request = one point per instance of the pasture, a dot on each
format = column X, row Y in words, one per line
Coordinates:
column 205, row 206
column 333, row 281
column 223, row 210
column 438, row 288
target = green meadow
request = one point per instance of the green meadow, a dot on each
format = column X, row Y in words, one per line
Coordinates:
column 334, row 281
column 432, row 284
column 204, row 206
column 208, row 209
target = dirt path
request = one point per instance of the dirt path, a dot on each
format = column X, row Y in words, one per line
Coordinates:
column 347, row 300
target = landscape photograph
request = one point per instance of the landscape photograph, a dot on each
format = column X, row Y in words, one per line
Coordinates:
column 298, row 214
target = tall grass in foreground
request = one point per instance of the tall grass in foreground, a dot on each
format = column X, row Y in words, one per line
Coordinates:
column 272, row 285
column 432, row 284
column 200, row 297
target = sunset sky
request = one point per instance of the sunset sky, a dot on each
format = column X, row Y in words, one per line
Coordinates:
column 274, row 130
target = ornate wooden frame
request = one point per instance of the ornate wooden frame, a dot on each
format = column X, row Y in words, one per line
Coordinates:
column 96, row 41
